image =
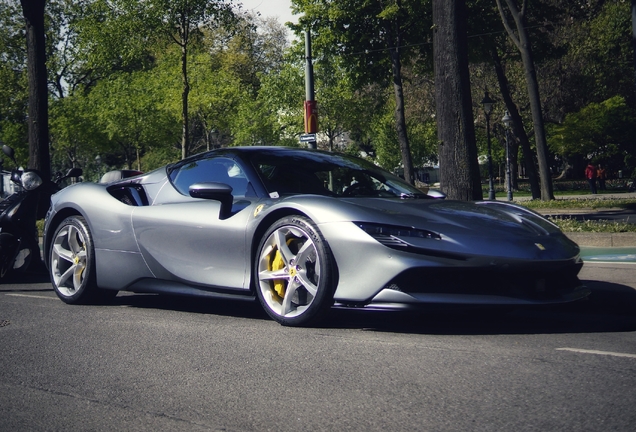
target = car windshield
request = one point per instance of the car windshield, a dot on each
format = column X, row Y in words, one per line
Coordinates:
column 328, row 174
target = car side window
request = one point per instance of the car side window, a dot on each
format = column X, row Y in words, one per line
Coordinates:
column 219, row 170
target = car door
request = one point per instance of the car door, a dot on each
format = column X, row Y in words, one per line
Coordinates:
column 184, row 239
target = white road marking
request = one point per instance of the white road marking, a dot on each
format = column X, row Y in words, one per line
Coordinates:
column 584, row 351
column 33, row 296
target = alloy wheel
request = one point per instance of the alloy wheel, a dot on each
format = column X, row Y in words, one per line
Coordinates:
column 69, row 260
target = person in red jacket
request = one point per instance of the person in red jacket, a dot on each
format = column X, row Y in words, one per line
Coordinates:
column 590, row 175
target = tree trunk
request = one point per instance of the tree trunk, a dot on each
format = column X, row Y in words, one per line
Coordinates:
column 184, row 103
column 634, row 39
column 517, row 127
column 400, row 119
column 459, row 169
column 523, row 45
column 38, row 121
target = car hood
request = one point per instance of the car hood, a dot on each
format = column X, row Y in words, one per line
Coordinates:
column 457, row 215
column 488, row 227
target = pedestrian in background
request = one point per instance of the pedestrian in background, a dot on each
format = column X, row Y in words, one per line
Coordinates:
column 601, row 175
column 590, row 175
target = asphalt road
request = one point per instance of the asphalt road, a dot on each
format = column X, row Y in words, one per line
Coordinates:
column 159, row 363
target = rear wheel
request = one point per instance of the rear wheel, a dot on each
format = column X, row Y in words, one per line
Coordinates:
column 294, row 272
column 72, row 263
column 8, row 246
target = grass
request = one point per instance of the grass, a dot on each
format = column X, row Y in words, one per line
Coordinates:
column 592, row 226
column 592, row 203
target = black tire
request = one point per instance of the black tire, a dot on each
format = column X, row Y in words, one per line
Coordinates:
column 294, row 272
column 72, row 264
column 8, row 246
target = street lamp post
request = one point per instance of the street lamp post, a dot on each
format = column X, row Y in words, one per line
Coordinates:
column 488, row 103
column 507, row 121
column 98, row 162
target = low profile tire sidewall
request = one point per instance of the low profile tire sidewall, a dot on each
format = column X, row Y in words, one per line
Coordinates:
column 324, row 296
column 87, row 291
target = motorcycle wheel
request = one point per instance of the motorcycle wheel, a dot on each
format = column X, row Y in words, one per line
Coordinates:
column 8, row 244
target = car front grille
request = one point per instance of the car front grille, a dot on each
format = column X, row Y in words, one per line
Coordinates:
column 532, row 284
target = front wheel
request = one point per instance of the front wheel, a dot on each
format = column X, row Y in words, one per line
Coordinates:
column 294, row 272
column 72, row 263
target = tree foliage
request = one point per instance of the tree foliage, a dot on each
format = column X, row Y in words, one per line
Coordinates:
column 374, row 39
column 603, row 132
column 116, row 80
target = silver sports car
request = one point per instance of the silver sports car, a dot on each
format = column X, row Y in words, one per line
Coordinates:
column 301, row 230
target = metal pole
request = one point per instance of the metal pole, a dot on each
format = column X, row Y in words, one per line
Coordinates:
column 508, row 170
column 491, row 188
column 309, row 68
column 311, row 115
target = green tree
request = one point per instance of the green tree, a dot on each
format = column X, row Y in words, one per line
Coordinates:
column 284, row 92
column 76, row 137
column 602, row 131
column 180, row 21
column 131, row 26
column 14, row 94
column 128, row 108
column 374, row 39
column 422, row 135
column 459, row 169
column 233, row 101
column 521, row 39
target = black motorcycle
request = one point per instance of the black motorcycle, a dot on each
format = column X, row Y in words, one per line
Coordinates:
column 19, row 240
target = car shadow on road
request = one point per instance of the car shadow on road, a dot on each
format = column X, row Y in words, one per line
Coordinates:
column 610, row 308
column 198, row 305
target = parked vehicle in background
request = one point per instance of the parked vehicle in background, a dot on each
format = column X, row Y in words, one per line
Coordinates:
column 19, row 211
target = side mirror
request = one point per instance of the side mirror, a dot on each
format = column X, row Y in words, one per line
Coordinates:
column 74, row 172
column 436, row 194
column 9, row 152
column 214, row 191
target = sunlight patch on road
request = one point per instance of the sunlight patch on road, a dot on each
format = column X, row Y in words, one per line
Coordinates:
column 608, row 353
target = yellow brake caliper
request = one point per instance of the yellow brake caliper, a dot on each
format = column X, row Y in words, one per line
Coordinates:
column 276, row 264
column 76, row 261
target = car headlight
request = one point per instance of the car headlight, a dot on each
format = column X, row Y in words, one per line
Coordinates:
column 31, row 180
column 387, row 234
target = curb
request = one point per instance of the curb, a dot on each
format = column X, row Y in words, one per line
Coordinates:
column 603, row 239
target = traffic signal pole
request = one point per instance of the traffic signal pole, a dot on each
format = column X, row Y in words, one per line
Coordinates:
column 311, row 110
